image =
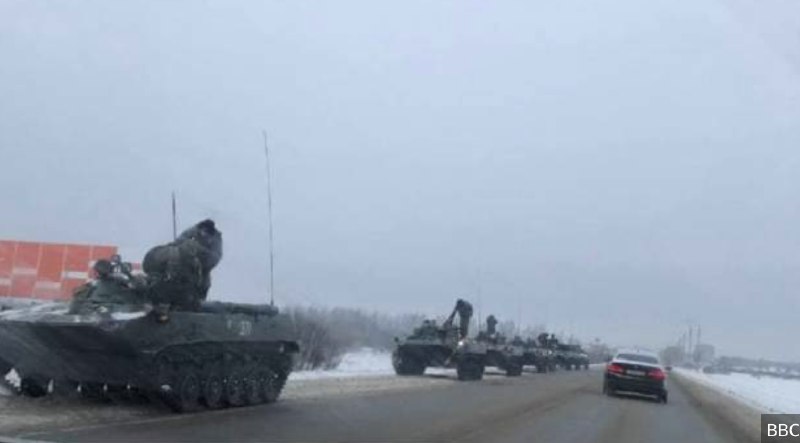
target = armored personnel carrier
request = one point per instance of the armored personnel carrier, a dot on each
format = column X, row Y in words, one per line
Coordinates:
column 538, row 356
column 548, row 344
column 583, row 359
column 442, row 346
column 572, row 357
column 500, row 354
column 153, row 335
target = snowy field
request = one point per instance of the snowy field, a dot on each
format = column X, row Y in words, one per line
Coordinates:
column 364, row 362
column 764, row 393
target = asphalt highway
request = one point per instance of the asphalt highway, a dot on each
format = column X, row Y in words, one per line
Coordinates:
column 553, row 408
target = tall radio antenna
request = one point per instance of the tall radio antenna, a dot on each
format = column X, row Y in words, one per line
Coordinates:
column 480, row 303
column 174, row 218
column 269, row 215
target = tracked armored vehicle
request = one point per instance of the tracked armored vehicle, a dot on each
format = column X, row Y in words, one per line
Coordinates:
column 442, row 346
column 506, row 356
column 153, row 336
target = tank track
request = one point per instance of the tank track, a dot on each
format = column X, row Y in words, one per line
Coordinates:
column 213, row 376
column 189, row 378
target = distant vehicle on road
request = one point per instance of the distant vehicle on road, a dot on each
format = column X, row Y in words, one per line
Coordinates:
column 445, row 345
column 636, row 371
column 538, row 356
column 572, row 357
column 500, row 353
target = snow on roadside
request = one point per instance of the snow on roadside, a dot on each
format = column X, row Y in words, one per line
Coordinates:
column 363, row 362
column 8, row 383
column 768, row 394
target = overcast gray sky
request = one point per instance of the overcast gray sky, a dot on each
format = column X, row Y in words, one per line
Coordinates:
column 609, row 169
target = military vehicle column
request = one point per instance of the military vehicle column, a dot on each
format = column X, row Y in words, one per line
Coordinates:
column 508, row 357
column 442, row 346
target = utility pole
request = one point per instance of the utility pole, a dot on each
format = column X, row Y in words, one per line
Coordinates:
column 682, row 343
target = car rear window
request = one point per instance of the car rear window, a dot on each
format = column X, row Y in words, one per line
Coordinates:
column 638, row 357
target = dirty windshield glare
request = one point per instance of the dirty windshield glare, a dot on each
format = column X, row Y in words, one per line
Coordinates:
column 425, row 221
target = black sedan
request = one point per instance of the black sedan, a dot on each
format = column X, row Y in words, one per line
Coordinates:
column 636, row 371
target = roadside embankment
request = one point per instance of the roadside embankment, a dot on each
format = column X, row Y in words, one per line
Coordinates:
column 721, row 408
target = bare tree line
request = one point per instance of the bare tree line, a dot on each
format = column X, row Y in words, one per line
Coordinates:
column 326, row 334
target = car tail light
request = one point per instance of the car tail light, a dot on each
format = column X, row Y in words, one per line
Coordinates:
column 614, row 368
column 657, row 374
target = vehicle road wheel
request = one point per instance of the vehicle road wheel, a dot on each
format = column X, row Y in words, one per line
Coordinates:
column 137, row 394
column 252, row 394
column 266, row 385
column 234, row 391
column 94, row 391
column 186, row 397
column 65, row 388
column 586, row 367
column 469, row 369
column 405, row 364
column 514, row 370
column 478, row 368
column 664, row 398
column 280, row 382
column 213, row 391
column 117, row 393
column 33, row 387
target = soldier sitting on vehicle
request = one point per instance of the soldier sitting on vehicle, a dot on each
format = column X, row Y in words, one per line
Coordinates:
column 490, row 334
column 114, row 288
column 179, row 273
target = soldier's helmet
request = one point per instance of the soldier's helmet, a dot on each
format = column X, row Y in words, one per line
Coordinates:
column 103, row 267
